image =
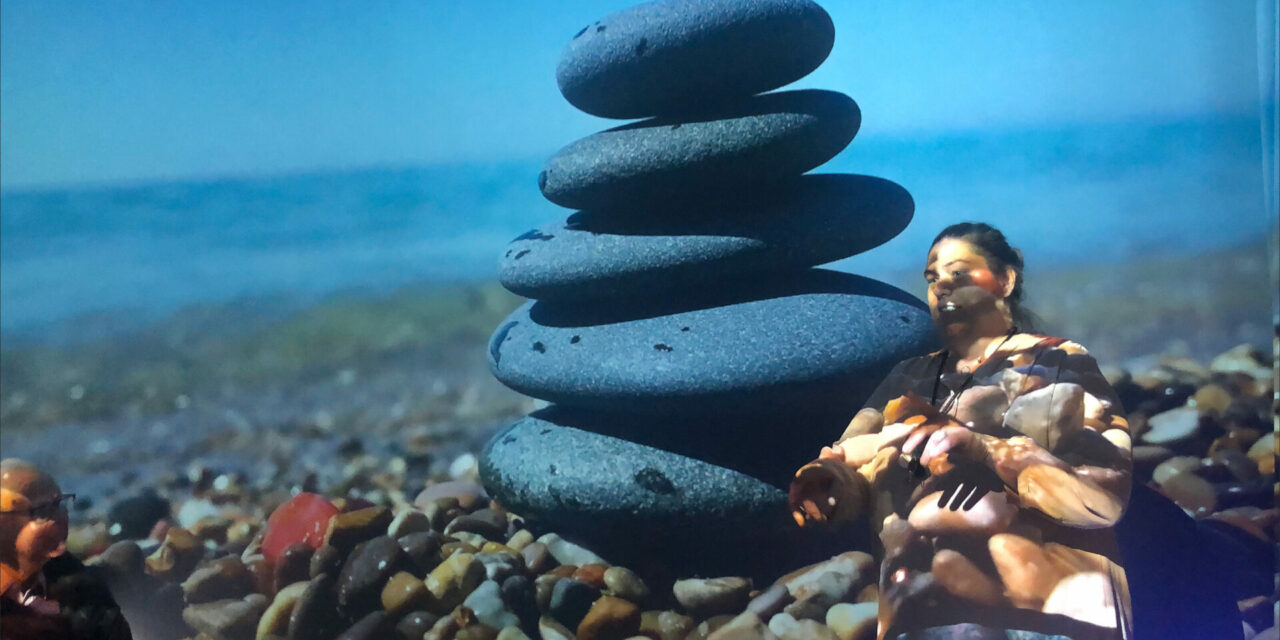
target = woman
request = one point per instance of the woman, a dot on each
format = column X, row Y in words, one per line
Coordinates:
column 992, row 470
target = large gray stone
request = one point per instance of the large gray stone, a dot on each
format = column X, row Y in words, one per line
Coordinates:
column 657, row 162
column 637, row 504
column 580, row 480
column 817, row 219
column 817, row 339
column 667, row 57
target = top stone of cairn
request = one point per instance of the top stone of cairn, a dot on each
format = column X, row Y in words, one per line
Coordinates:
column 676, row 56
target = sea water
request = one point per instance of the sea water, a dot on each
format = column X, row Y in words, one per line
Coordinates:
column 122, row 255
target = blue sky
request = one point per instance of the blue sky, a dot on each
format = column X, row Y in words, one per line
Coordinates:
column 129, row 91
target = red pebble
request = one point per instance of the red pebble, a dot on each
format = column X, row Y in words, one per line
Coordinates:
column 304, row 518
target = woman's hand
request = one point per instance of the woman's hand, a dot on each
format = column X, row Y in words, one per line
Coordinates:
column 957, row 455
column 956, row 442
column 826, row 490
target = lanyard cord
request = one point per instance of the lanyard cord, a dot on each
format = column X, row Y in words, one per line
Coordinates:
column 955, row 395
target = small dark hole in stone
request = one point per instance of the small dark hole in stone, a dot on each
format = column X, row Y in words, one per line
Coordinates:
column 642, row 46
column 675, row 126
column 904, row 319
column 534, row 235
column 552, row 470
column 662, row 347
column 522, row 254
column 684, row 328
column 579, row 34
column 600, row 29
column 655, row 481
column 507, row 254
column 575, row 340
column 539, row 347
column 508, row 440
column 544, row 432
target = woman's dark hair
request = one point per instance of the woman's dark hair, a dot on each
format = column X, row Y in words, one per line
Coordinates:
column 995, row 248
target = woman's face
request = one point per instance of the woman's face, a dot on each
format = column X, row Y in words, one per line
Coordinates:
column 962, row 286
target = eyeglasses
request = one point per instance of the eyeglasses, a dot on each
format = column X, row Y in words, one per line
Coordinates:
column 46, row 510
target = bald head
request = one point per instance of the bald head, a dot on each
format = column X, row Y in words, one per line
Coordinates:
column 24, row 485
column 33, row 525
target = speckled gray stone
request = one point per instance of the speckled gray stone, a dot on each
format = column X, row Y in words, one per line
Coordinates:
column 585, row 481
column 665, row 57
column 815, row 220
column 656, row 162
column 775, row 345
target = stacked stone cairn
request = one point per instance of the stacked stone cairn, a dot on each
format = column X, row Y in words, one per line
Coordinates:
column 693, row 356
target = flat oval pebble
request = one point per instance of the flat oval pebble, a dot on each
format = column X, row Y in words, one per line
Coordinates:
column 668, row 57
column 367, row 570
column 819, row 339
column 653, row 163
column 1172, row 426
column 568, row 553
column 815, row 220
column 1191, row 492
column 604, row 485
column 704, row 598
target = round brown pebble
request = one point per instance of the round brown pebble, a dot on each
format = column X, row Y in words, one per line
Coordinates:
column 367, row 569
column 324, row 560
column 404, row 592
column 592, row 574
column 348, row 529
column 224, row 578
column 294, row 565
column 704, row 598
column 610, row 618
column 315, row 614
column 264, row 580
column 423, row 549
column 536, row 557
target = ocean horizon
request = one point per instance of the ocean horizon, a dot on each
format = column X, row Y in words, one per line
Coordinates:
column 1082, row 194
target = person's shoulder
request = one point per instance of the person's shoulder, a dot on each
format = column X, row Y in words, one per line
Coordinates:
column 916, row 363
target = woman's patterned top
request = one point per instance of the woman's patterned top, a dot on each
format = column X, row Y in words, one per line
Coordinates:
column 1048, row 452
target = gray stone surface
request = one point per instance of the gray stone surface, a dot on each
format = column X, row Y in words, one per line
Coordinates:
column 585, row 481
column 667, row 57
column 783, row 344
column 815, row 220
column 656, row 162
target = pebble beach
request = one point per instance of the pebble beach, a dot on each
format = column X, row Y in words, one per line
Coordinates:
column 375, row 464
column 408, row 544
